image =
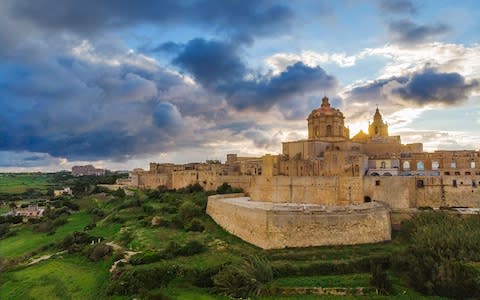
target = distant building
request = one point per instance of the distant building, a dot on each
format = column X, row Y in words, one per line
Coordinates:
column 67, row 191
column 87, row 170
column 32, row 211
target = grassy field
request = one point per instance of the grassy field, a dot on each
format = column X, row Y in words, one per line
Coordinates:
column 27, row 240
column 69, row 277
column 19, row 183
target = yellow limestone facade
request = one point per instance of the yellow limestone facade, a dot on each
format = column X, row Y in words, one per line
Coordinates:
column 320, row 190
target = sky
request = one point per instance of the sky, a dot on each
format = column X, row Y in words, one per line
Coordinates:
column 119, row 83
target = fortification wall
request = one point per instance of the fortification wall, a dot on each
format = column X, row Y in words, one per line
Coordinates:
column 269, row 226
column 307, row 189
column 401, row 192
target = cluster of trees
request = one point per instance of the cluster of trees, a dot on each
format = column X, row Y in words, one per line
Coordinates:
column 441, row 251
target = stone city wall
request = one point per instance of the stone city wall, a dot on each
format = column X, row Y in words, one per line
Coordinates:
column 401, row 192
column 270, row 226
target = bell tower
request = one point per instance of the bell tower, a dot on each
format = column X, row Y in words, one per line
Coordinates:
column 378, row 127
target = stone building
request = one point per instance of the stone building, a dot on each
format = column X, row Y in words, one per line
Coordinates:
column 328, row 184
column 87, row 170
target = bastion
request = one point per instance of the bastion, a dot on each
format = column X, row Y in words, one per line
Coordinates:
column 271, row 225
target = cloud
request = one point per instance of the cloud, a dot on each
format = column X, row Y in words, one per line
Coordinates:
column 431, row 86
column 219, row 68
column 406, row 32
column 398, row 6
column 210, row 62
column 420, row 88
column 263, row 93
column 87, row 17
column 167, row 117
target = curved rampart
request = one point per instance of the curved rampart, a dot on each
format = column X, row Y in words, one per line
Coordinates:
column 278, row 225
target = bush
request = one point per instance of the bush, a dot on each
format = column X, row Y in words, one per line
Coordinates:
column 98, row 251
column 76, row 241
column 441, row 246
column 225, row 188
column 192, row 248
column 145, row 258
column 191, row 188
column 4, row 229
column 195, row 225
column 380, row 279
column 132, row 281
column 188, row 211
column 244, row 279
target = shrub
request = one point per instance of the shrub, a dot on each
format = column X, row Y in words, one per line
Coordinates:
column 98, row 251
column 244, row 279
column 195, row 225
column 145, row 258
column 441, row 246
column 4, row 229
column 76, row 241
column 225, row 188
column 192, row 248
column 137, row 279
column 188, row 211
column 380, row 279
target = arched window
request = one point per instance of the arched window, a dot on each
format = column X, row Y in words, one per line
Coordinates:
column 382, row 165
column 435, row 165
column 406, row 165
column 329, row 130
column 453, row 165
column 472, row 165
column 420, row 166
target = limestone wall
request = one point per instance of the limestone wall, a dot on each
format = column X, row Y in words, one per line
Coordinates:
column 270, row 225
column 402, row 192
column 307, row 189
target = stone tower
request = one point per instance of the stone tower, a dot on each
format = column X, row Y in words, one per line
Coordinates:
column 327, row 123
column 378, row 127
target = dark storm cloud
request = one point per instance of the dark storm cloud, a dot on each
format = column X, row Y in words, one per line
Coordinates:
column 219, row 68
column 264, row 92
column 398, row 6
column 407, row 32
column 374, row 91
column 74, row 108
column 211, row 62
column 251, row 17
column 430, row 86
column 427, row 86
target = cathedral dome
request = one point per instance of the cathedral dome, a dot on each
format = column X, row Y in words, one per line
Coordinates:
column 325, row 110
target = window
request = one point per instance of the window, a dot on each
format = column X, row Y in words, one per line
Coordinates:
column 406, row 165
column 447, row 173
column 468, row 173
column 377, row 182
column 472, row 165
column 382, row 165
column 367, row 199
column 435, row 165
column 457, row 173
column 454, row 183
column 420, row 165
column 329, row 130
column 453, row 165
column 420, row 183
column 474, row 184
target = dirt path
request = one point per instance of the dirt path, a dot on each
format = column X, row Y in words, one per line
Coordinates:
column 42, row 258
column 126, row 256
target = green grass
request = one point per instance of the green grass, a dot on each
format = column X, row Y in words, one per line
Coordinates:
column 26, row 240
column 19, row 183
column 70, row 277
column 347, row 281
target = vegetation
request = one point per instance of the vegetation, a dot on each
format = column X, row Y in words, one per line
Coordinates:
column 183, row 254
